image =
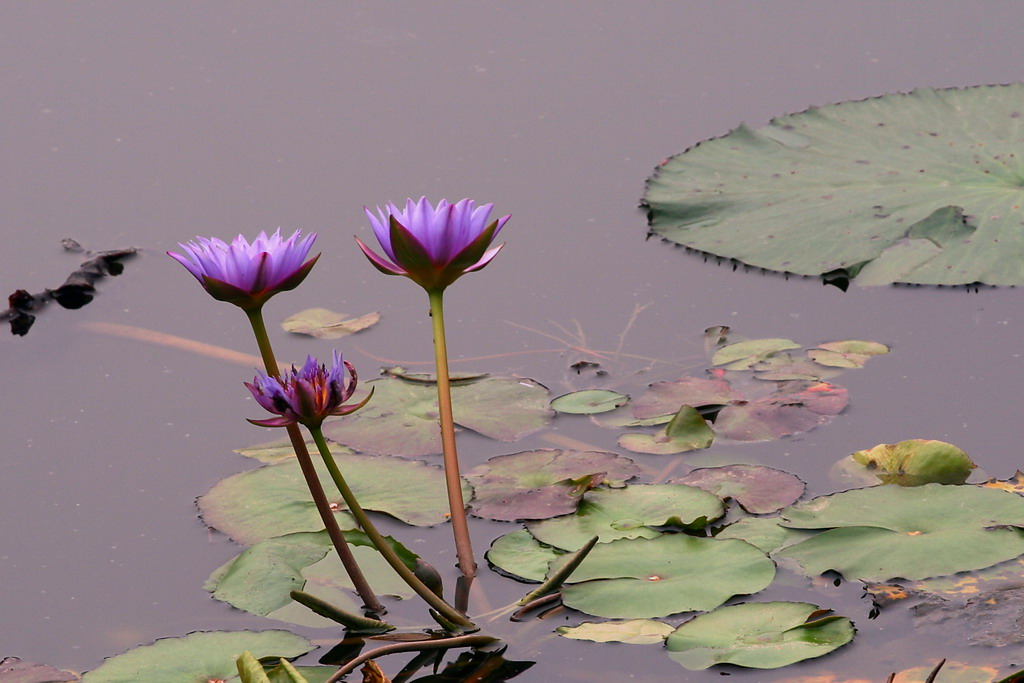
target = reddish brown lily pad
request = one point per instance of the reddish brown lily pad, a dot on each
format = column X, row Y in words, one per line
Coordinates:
column 758, row 489
column 14, row 670
column 543, row 483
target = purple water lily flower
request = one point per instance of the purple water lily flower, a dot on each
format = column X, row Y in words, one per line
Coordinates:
column 308, row 395
column 248, row 274
column 433, row 246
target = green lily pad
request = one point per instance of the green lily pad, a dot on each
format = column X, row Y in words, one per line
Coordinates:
column 273, row 500
column 14, row 670
column 520, row 555
column 542, row 483
column 402, row 416
column 259, row 580
column 201, row 656
column 758, row 489
column 888, row 532
column 921, row 188
column 765, row 635
column 746, row 354
column 324, row 324
column 687, row 431
column 654, row 577
column 764, row 533
column 917, row 461
column 633, row 631
column 589, row 402
column 630, row 512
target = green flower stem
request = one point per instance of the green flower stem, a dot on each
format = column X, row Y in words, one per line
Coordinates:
column 379, row 542
column 323, row 506
column 460, row 527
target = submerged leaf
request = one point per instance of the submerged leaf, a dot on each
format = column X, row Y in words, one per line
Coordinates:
column 921, row 188
column 543, row 483
column 402, row 417
column 765, row 635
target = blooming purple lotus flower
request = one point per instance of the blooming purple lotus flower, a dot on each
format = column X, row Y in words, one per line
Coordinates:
column 307, row 395
column 248, row 274
column 433, row 247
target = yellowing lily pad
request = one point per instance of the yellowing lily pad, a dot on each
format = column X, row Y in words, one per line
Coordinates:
column 543, row 483
column 324, row 324
column 917, row 461
column 633, row 631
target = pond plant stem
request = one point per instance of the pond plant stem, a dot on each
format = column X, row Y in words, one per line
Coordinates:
column 453, row 481
column 323, row 506
column 449, row 613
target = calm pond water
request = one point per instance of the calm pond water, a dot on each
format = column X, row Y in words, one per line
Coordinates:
column 145, row 123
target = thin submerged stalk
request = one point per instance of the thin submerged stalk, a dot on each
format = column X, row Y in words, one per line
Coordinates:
column 316, row 490
column 440, row 606
column 453, row 481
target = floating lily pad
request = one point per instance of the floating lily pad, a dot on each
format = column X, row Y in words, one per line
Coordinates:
column 273, row 500
column 630, row 512
column 687, row 431
column 520, row 555
column 324, row 324
column 1014, row 483
column 765, row 635
column 887, row 532
column 201, row 656
column 589, row 402
column 756, row 411
column 852, row 353
column 746, row 354
column 543, row 483
column 279, row 449
column 951, row 672
column 785, row 366
column 655, row 577
column 259, row 580
column 917, row 461
column 402, row 416
column 758, row 489
column 764, row 533
column 633, row 631
column 921, row 188
column 14, row 670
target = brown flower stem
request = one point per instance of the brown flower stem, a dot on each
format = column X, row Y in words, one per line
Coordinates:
column 316, row 490
column 380, row 543
column 460, row 527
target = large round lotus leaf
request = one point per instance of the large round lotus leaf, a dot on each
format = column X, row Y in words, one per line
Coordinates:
column 758, row 489
column 765, row 635
column 917, row 461
column 196, row 658
column 519, row 555
column 888, row 532
column 633, row 631
column 922, row 188
column 273, row 500
column 402, row 416
column 543, row 483
column 629, row 512
column 642, row 578
column 260, row 578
